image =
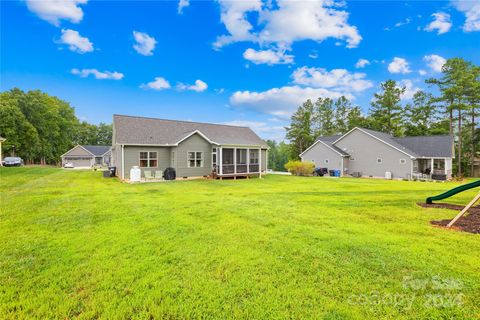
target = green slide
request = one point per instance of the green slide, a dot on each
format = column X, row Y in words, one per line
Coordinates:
column 454, row 191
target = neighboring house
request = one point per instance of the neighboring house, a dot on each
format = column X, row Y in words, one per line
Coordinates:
column 87, row 156
column 193, row 149
column 1, row 140
column 374, row 153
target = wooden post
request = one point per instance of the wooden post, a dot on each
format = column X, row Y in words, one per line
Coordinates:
column 220, row 161
column 260, row 163
column 477, row 197
column 235, row 161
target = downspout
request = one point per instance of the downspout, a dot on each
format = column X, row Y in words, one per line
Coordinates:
column 123, row 162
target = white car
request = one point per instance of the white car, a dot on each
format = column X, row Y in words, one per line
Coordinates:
column 68, row 165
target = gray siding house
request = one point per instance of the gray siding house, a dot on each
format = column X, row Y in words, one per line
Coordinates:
column 375, row 154
column 87, row 156
column 193, row 149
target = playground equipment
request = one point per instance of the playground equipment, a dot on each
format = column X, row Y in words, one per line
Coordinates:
column 454, row 191
column 477, row 197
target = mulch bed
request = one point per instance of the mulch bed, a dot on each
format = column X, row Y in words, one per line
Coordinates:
column 470, row 222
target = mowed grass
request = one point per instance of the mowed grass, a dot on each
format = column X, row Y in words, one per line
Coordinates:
column 76, row 245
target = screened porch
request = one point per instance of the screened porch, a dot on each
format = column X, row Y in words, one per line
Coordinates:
column 236, row 161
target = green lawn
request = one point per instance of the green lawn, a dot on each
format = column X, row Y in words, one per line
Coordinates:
column 73, row 244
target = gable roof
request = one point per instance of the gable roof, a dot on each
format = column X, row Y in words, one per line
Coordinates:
column 97, row 151
column 132, row 130
column 416, row 147
column 328, row 142
column 389, row 139
column 429, row 146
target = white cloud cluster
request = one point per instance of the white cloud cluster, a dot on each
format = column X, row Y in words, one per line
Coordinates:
column 199, row 86
column 145, row 44
column 362, row 63
column 337, row 79
column 308, row 83
column 410, row 89
column 159, row 83
column 287, row 22
column 101, row 75
column 269, row 56
column 471, row 9
column 399, row 65
column 435, row 62
column 403, row 23
column 54, row 11
column 181, row 5
column 75, row 41
column 441, row 23
column 263, row 129
column 282, row 101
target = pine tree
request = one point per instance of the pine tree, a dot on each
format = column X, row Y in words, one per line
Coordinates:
column 386, row 111
column 421, row 115
column 300, row 131
column 342, row 111
column 324, row 117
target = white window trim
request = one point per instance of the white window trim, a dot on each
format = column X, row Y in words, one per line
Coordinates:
column 148, row 159
column 379, row 162
column 215, row 163
column 202, row 160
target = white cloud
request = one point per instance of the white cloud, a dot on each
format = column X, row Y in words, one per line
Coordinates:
column 441, row 23
column 281, row 102
column 410, row 89
column 313, row 55
column 181, row 5
column 361, row 63
column 269, row 56
column 158, row 83
column 101, row 75
column 263, row 129
column 288, row 22
column 422, row 72
column 399, row 65
column 199, row 86
column 435, row 62
column 336, row 79
column 55, row 10
column 75, row 41
column 471, row 9
column 402, row 23
column 145, row 44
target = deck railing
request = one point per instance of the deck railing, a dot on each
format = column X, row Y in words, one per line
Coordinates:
column 241, row 168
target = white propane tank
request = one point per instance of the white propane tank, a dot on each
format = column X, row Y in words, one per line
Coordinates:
column 135, row 174
column 388, row 175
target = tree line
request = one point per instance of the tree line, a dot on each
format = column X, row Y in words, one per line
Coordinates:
column 453, row 108
column 39, row 128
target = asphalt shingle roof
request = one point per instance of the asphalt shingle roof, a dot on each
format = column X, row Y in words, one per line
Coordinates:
column 418, row 147
column 329, row 140
column 141, row 130
column 97, row 150
column 429, row 146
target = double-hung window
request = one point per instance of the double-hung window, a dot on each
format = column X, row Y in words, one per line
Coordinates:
column 148, row 159
column 195, row 159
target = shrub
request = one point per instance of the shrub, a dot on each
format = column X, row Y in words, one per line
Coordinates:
column 299, row 168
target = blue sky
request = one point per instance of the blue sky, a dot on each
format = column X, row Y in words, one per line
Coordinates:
column 238, row 62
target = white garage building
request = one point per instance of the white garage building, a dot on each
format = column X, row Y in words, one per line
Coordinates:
column 87, row 156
